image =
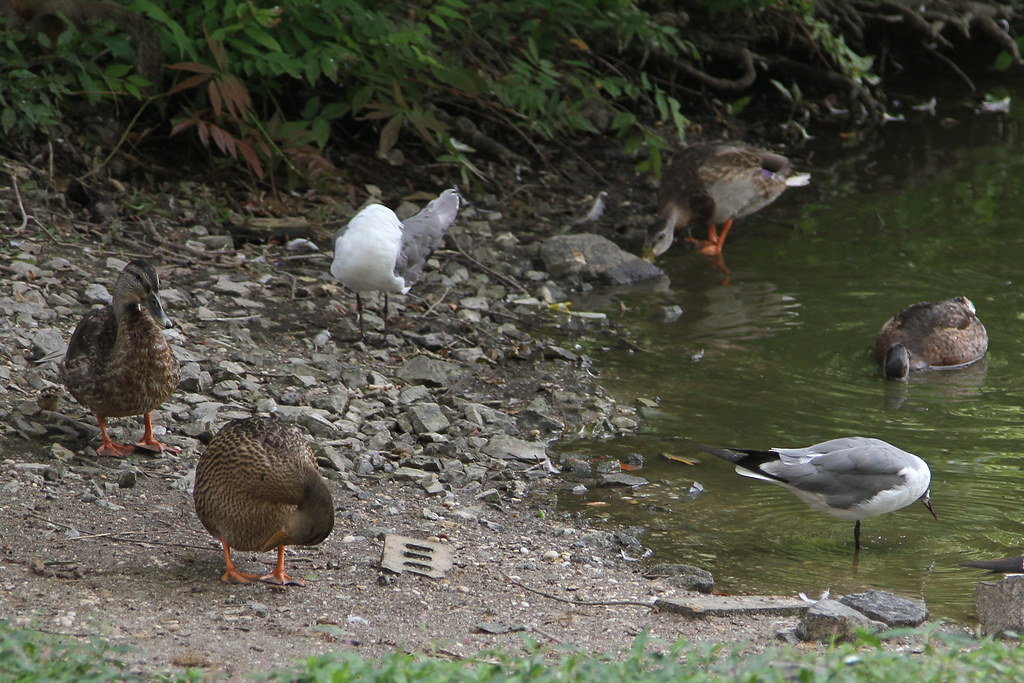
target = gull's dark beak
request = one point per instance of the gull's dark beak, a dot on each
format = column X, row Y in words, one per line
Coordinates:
column 927, row 500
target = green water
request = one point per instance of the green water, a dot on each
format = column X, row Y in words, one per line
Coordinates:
column 781, row 357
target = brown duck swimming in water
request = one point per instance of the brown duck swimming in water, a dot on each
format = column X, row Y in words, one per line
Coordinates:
column 118, row 362
column 931, row 335
column 258, row 488
column 715, row 183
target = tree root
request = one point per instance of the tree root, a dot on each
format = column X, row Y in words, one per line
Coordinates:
column 779, row 46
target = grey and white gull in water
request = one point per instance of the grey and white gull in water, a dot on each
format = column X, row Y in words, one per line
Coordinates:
column 855, row 477
column 376, row 251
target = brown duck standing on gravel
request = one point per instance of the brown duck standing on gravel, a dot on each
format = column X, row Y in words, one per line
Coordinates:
column 118, row 362
column 713, row 184
column 931, row 335
column 258, row 488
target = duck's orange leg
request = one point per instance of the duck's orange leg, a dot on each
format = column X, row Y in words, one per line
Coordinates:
column 232, row 575
column 715, row 242
column 712, row 246
column 108, row 447
column 150, row 443
column 278, row 576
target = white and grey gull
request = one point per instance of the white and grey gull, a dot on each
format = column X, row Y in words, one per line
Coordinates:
column 376, row 251
column 851, row 478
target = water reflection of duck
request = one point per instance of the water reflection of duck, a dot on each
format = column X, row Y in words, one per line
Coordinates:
column 715, row 183
column 931, row 335
column 850, row 478
column 258, row 488
column 118, row 362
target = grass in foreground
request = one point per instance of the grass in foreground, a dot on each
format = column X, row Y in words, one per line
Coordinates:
column 27, row 655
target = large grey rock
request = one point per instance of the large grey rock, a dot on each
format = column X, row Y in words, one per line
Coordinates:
column 424, row 370
column 887, row 607
column 194, row 378
column 828, row 620
column 596, row 259
column 98, row 294
column 534, row 419
column 491, row 418
column 427, row 417
column 49, row 340
column 732, row 605
column 683, row 576
column 509, row 447
column 1000, row 605
column 620, row 479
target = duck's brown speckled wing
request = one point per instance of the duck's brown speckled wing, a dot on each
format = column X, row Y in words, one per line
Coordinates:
column 742, row 180
column 91, row 343
column 253, row 479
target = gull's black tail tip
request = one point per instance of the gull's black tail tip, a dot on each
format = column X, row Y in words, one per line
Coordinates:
column 733, row 455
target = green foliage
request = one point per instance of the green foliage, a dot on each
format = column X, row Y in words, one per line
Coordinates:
column 272, row 86
column 31, row 656
column 27, row 656
column 36, row 86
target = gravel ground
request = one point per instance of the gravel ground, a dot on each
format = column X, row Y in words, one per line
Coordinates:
column 439, row 432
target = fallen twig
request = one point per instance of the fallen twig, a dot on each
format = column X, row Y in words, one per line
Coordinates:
column 581, row 603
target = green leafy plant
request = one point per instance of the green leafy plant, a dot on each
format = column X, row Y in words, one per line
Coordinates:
column 273, row 87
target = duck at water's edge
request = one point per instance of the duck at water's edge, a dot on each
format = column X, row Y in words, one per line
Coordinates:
column 713, row 184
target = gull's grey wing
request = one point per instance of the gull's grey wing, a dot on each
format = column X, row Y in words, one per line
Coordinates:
column 846, row 476
column 422, row 233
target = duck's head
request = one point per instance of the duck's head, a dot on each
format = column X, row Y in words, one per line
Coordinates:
column 897, row 362
column 659, row 238
column 138, row 287
column 311, row 521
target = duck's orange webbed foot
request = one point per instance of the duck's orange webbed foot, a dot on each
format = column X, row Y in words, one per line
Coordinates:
column 278, row 577
column 109, row 449
column 155, row 446
column 282, row 579
column 149, row 442
column 709, row 248
column 712, row 246
column 232, row 575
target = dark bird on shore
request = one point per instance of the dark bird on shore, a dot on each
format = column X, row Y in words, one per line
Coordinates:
column 376, row 251
column 713, row 184
column 852, row 478
column 118, row 363
column 258, row 488
column 928, row 335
